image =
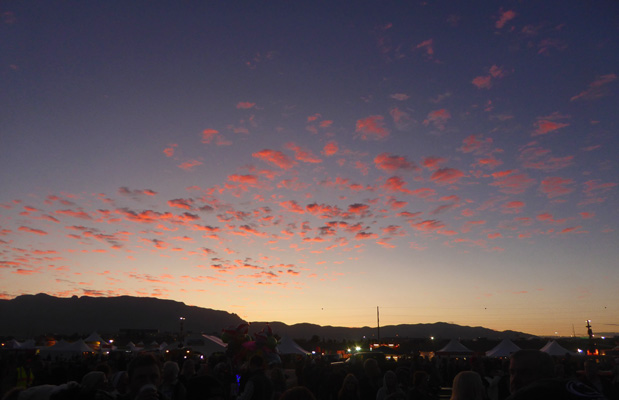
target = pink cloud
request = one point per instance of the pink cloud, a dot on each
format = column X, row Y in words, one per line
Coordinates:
column 275, row 157
column 169, row 151
column 594, row 186
column 372, row 128
column 543, row 127
column 437, row 118
column 365, row 235
column 596, row 89
column 400, row 96
column 508, row 183
column 189, row 165
column 485, row 82
column 497, row 72
column 358, row 209
column 363, row 167
column 323, row 210
column 423, row 193
column 428, row 46
column 469, row 224
column 572, row 229
column 539, row 158
column 247, row 179
column 504, row 18
column 245, row 105
column 32, row 230
column 512, row 207
column 302, row 154
column 135, row 192
column 545, row 217
column 292, row 206
column 446, row 176
column 396, row 184
column 391, row 163
column 587, row 215
column 433, row 163
column 150, row 216
column 427, row 225
column 482, row 82
column 186, row 204
column 74, row 214
column 208, row 135
column 401, row 119
column 555, row 186
column 330, row 148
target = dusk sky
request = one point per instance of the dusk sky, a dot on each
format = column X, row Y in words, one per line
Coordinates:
column 305, row 161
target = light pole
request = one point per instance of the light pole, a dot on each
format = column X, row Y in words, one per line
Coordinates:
column 182, row 321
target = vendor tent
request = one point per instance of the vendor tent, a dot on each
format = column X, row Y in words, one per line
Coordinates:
column 503, row 349
column 204, row 344
column 94, row 337
column 215, row 340
column 454, row 348
column 288, row 346
column 555, row 349
column 64, row 349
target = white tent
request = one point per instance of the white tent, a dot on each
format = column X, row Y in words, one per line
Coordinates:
column 205, row 344
column 289, row 346
column 454, row 347
column 555, row 349
column 503, row 349
column 215, row 340
column 94, row 337
column 133, row 348
column 65, row 349
column 12, row 344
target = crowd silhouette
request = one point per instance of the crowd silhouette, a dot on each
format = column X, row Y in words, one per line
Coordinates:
column 527, row 374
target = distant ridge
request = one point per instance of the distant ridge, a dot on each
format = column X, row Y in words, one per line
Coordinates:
column 31, row 315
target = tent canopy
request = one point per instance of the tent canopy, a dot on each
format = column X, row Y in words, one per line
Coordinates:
column 288, row 346
column 94, row 337
column 555, row 349
column 503, row 349
column 454, row 347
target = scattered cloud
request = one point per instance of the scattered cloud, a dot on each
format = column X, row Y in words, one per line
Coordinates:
column 276, row 158
column 372, row 128
column 504, row 18
column 596, row 89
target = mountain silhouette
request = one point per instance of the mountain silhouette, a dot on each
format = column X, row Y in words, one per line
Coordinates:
column 32, row 315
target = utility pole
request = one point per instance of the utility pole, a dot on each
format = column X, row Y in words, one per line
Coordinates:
column 378, row 325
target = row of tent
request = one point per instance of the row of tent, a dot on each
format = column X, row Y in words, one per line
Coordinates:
column 503, row 349
column 208, row 344
column 205, row 344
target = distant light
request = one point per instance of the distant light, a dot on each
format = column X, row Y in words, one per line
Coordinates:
column 201, row 356
column 357, row 348
column 313, row 352
column 348, row 350
column 579, row 350
column 431, row 337
column 603, row 337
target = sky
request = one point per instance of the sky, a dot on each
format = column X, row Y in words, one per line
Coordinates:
column 304, row 161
